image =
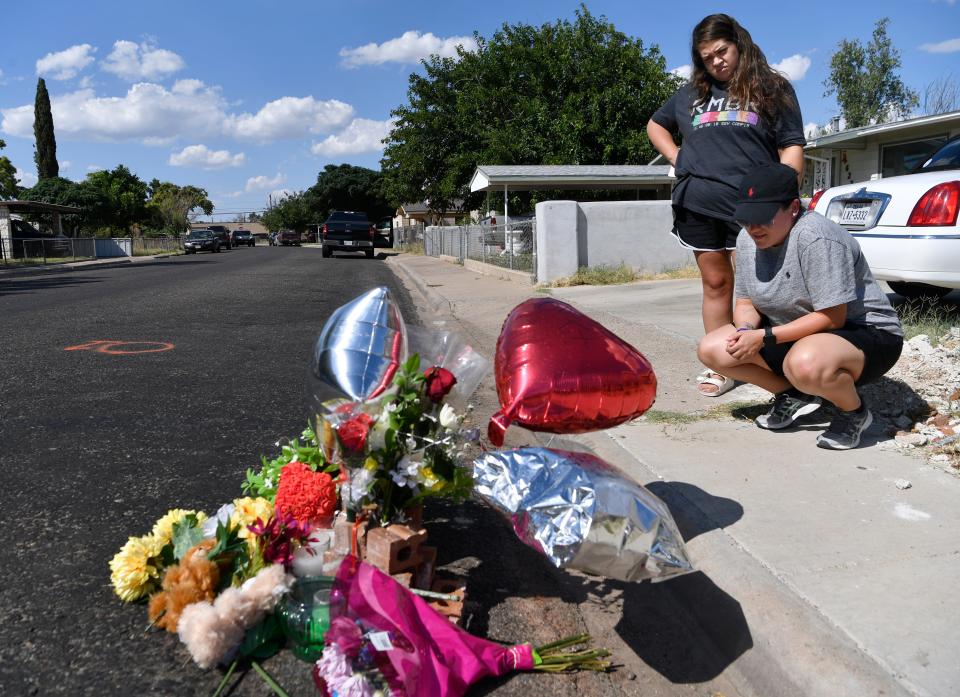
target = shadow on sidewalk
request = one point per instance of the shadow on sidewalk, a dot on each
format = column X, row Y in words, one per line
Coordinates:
column 687, row 629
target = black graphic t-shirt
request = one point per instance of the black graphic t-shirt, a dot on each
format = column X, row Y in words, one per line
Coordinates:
column 721, row 141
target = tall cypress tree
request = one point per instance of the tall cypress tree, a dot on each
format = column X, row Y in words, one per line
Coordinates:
column 46, row 146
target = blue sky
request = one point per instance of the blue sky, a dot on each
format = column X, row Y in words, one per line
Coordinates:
column 251, row 97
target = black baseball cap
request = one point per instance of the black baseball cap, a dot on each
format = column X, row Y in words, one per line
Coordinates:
column 764, row 191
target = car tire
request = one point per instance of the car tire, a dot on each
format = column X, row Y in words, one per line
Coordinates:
column 918, row 290
column 326, row 252
column 368, row 253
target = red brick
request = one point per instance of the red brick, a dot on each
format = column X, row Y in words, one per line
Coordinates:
column 394, row 549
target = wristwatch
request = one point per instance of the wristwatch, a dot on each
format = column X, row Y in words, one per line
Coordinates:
column 769, row 338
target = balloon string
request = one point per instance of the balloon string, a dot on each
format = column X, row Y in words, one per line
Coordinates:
column 353, row 534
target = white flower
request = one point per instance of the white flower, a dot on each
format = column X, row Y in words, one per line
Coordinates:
column 411, row 443
column 209, row 526
column 377, row 436
column 448, row 417
column 359, row 486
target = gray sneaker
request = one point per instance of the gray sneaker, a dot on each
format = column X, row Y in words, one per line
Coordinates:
column 845, row 430
column 788, row 406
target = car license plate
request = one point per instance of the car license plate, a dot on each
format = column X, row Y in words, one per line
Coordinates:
column 349, row 243
column 856, row 213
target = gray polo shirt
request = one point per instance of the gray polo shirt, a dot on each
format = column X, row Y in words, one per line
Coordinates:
column 818, row 266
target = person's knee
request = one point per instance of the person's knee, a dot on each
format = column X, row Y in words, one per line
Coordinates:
column 806, row 368
column 711, row 350
column 718, row 284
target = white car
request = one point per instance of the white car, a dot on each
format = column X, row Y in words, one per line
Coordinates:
column 906, row 225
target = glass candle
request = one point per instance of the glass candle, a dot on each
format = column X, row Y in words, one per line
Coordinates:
column 304, row 614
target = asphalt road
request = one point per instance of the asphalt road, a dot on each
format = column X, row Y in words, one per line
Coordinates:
column 207, row 375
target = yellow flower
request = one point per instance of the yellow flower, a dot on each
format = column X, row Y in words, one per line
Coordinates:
column 132, row 571
column 163, row 528
column 371, row 465
column 247, row 510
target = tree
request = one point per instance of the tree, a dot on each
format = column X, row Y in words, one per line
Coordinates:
column 45, row 154
column 348, row 188
column 866, row 82
column 170, row 205
column 562, row 93
column 941, row 96
column 9, row 184
column 95, row 207
column 125, row 194
column 292, row 212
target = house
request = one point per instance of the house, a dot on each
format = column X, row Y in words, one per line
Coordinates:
column 411, row 214
column 874, row 152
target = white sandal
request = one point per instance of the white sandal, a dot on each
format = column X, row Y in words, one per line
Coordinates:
column 721, row 382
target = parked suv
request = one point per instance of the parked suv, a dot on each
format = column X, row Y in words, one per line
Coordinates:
column 243, row 237
column 347, row 231
column 287, row 237
column 223, row 233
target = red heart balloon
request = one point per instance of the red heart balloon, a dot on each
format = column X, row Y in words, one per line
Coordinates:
column 559, row 371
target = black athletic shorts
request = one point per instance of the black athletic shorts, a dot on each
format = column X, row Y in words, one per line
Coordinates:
column 701, row 233
column 881, row 350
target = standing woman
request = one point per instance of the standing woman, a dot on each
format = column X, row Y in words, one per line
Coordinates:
column 736, row 113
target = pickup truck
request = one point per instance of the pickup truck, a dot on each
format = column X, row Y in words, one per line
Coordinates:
column 347, row 231
column 223, row 233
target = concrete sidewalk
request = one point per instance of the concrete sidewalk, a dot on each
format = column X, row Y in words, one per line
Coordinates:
column 833, row 581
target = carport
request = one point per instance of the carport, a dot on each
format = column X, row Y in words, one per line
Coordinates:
column 31, row 208
column 571, row 177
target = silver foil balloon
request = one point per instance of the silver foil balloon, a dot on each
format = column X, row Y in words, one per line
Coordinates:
column 358, row 351
column 582, row 513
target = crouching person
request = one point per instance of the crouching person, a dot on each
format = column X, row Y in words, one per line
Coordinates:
column 810, row 321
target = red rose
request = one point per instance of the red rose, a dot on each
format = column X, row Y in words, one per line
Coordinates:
column 439, row 382
column 353, row 432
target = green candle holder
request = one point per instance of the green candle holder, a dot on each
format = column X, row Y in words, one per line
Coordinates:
column 304, row 615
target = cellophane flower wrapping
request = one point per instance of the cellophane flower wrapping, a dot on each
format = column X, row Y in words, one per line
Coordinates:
column 429, row 655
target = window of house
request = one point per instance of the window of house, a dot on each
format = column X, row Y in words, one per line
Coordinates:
column 903, row 158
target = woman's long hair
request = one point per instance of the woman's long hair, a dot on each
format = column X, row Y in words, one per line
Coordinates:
column 753, row 80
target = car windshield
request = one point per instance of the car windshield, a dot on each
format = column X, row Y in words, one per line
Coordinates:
column 200, row 235
column 946, row 157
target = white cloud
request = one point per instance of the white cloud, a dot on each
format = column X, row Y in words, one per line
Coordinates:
column 95, row 168
column 26, row 177
column 203, row 157
column 362, row 135
column 948, row 46
column 290, row 117
column 684, row 71
column 794, row 67
column 409, row 48
column 133, row 62
column 64, row 65
column 147, row 113
column 278, row 195
column 810, row 130
column 263, row 182
column 65, row 164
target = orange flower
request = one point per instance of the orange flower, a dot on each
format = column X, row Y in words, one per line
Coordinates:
column 307, row 496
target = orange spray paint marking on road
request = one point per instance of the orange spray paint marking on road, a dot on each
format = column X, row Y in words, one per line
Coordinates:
column 122, row 348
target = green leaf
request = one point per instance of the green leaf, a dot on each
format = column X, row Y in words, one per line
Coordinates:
column 186, row 533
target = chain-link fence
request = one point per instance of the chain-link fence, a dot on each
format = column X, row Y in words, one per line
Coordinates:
column 408, row 238
column 45, row 250
column 512, row 246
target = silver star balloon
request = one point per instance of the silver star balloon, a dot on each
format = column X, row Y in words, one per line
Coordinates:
column 358, row 351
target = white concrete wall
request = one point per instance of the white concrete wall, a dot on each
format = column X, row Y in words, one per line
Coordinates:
column 571, row 235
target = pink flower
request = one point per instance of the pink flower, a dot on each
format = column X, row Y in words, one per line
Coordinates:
column 346, row 635
column 333, row 668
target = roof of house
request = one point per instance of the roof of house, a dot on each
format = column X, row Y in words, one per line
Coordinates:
column 16, row 206
column 530, row 177
column 422, row 207
column 845, row 138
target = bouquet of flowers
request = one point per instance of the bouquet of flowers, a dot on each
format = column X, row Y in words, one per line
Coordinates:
column 384, row 640
column 398, row 449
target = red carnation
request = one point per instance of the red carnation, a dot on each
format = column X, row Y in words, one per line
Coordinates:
column 305, row 495
column 439, row 382
column 353, row 432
